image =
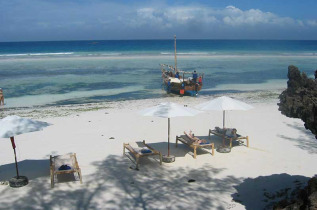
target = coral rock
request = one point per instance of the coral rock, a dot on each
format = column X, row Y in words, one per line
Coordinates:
column 299, row 100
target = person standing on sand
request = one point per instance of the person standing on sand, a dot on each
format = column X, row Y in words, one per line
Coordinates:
column 1, row 97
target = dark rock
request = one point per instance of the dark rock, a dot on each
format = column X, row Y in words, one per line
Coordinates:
column 306, row 198
column 299, row 100
column 312, row 192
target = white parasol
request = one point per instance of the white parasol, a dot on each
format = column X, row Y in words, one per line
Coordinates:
column 169, row 110
column 14, row 125
column 224, row 104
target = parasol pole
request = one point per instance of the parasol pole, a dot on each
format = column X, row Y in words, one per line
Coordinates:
column 224, row 118
column 175, row 54
column 15, row 155
column 168, row 147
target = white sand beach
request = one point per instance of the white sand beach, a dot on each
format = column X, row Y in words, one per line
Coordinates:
column 282, row 155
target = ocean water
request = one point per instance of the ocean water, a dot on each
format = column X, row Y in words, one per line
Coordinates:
column 76, row 72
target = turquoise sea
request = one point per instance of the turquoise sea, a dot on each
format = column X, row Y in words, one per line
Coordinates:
column 75, row 72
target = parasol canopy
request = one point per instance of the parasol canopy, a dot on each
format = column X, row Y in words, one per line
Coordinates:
column 14, row 125
column 224, row 103
column 169, row 110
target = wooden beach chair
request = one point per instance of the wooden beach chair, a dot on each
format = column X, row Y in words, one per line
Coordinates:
column 222, row 133
column 140, row 152
column 64, row 164
column 192, row 144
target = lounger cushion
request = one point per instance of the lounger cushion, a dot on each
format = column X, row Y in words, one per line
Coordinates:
column 142, row 150
column 145, row 151
column 64, row 167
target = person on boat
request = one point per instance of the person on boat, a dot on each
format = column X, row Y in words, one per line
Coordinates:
column 182, row 90
column 195, row 76
column 1, row 97
column 177, row 75
column 169, row 86
column 200, row 80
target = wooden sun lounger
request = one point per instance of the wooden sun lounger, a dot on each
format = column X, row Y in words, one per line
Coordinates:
column 57, row 161
column 137, row 154
column 191, row 143
column 225, row 137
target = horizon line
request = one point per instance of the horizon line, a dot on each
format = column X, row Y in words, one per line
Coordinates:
column 83, row 40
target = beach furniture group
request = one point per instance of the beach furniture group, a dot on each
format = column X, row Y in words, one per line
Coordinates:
column 68, row 164
column 144, row 150
column 64, row 164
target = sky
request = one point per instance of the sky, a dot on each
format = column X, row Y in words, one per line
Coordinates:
column 50, row 20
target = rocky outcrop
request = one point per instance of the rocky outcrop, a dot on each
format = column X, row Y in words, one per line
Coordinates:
column 299, row 100
column 306, row 198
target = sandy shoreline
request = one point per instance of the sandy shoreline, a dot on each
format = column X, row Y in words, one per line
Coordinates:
column 256, row 96
column 281, row 155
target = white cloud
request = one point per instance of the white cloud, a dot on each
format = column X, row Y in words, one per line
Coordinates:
column 231, row 16
column 109, row 19
column 312, row 22
column 170, row 17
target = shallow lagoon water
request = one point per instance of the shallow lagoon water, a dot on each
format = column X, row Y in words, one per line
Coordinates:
column 51, row 78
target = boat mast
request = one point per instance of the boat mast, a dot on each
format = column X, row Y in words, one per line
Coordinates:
column 175, row 53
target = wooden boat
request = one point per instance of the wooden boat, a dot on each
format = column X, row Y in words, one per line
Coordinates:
column 180, row 82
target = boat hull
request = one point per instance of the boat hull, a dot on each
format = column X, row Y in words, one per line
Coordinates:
column 190, row 89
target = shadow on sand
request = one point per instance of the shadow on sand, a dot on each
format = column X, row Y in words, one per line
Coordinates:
column 306, row 141
column 31, row 168
column 218, row 142
column 265, row 191
column 180, row 151
column 114, row 186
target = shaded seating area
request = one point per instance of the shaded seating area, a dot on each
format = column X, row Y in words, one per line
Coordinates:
column 193, row 144
column 143, row 150
column 64, row 164
column 228, row 134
